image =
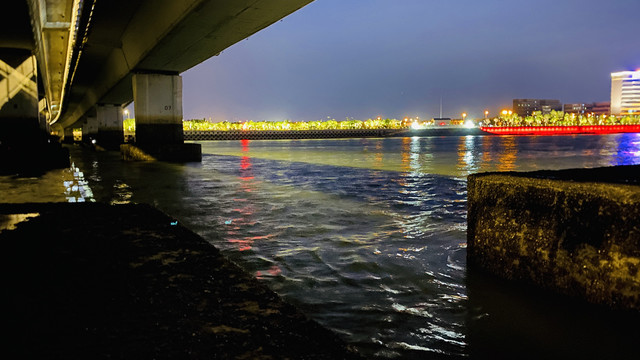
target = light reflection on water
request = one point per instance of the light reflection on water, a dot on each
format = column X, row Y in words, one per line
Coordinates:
column 451, row 156
column 368, row 236
column 60, row 185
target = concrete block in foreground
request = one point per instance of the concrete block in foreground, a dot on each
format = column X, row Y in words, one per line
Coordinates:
column 575, row 232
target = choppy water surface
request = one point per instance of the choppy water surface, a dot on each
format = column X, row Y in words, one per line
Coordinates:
column 368, row 236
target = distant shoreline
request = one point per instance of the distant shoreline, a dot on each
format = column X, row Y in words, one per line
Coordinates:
column 204, row 135
column 561, row 130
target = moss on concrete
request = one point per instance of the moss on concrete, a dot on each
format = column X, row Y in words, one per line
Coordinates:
column 562, row 231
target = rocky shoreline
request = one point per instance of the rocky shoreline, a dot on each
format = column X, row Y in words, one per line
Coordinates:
column 100, row 281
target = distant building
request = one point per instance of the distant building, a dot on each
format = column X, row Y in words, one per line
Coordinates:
column 577, row 108
column 601, row 108
column 625, row 92
column 525, row 107
column 442, row 121
column 596, row 108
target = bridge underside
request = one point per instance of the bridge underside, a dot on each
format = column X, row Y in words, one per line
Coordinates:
column 159, row 37
column 67, row 63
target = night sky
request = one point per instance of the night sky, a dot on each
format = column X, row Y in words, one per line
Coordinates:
column 397, row 58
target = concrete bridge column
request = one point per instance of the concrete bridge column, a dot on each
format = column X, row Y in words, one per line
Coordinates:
column 158, row 112
column 90, row 129
column 110, row 131
column 157, row 100
column 67, row 136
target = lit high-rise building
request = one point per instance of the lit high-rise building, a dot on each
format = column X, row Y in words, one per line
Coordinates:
column 625, row 92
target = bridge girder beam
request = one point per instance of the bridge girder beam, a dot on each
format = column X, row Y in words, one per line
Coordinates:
column 53, row 24
column 160, row 36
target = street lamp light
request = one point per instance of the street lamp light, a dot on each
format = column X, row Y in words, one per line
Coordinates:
column 464, row 115
column 486, row 113
column 126, row 113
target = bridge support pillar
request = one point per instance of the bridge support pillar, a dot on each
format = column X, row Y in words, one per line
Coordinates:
column 110, row 131
column 90, row 130
column 25, row 143
column 157, row 101
column 67, row 135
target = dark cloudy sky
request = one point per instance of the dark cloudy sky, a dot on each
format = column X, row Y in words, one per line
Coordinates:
column 396, row 58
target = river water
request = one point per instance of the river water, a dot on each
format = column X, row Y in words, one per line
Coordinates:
column 367, row 236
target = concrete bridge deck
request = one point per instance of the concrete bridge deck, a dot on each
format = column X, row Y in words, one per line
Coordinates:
column 128, row 282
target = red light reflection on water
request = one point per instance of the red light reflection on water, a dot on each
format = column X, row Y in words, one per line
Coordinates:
column 245, row 145
column 245, row 163
column 245, row 211
column 246, row 208
column 243, row 244
column 272, row 271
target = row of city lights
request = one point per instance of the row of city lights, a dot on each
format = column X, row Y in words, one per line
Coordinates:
column 486, row 114
column 417, row 118
column 464, row 116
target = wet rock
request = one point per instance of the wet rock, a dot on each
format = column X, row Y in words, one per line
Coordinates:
column 573, row 231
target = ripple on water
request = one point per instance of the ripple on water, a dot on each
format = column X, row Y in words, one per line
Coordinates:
column 361, row 251
column 368, row 253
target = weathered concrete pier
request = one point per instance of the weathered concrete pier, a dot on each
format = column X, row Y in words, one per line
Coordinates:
column 94, row 281
column 574, row 232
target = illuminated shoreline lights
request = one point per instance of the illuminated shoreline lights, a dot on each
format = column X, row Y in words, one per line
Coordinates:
column 558, row 122
column 555, row 122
